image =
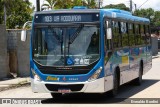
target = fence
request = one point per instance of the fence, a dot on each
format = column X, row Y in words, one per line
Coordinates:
column 18, row 53
column 4, row 68
column 154, row 46
column 159, row 45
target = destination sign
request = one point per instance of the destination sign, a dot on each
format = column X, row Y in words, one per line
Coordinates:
column 66, row 18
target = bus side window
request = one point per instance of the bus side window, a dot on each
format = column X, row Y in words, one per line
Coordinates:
column 147, row 33
column 142, row 31
column 137, row 34
column 124, row 34
column 116, row 34
column 131, row 34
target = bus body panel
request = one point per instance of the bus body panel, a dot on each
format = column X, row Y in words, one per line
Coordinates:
column 96, row 86
column 127, row 59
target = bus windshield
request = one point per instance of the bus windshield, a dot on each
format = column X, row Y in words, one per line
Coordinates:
column 66, row 46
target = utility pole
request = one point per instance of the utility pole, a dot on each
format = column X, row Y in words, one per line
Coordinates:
column 38, row 5
column 99, row 4
column 131, row 6
column 135, row 6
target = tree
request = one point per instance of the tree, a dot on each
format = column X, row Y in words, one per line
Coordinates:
column 77, row 3
column 50, row 4
column 90, row 3
column 146, row 13
column 19, row 14
column 5, row 6
column 68, row 4
column 156, row 18
column 1, row 12
column 64, row 4
column 14, row 13
column 117, row 6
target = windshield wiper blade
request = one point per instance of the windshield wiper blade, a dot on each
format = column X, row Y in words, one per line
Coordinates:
column 74, row 36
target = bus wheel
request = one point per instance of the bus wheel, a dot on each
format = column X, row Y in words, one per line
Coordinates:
column 114, row 92
column 138, row 80
column 56, row 95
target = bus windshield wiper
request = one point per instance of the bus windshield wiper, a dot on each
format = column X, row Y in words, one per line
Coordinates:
column 74, row 36
column 59, row 38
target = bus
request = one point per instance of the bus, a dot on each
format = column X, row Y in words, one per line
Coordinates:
column 83, row 50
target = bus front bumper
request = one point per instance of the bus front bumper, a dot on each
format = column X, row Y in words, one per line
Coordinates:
column 96, row 86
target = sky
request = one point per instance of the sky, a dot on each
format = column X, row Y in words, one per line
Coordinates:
column 155, row 4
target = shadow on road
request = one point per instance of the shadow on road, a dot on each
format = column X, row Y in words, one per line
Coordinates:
column 125, row 92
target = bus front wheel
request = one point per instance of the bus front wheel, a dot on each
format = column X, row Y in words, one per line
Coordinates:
column 114, row 92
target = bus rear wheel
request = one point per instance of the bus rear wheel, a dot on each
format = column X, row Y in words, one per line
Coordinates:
column 138, row 80
column 56, row 95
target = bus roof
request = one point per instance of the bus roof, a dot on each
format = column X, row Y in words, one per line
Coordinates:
column 125, row 15
column 111, row 13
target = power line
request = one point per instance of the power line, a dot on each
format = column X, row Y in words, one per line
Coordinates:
column 143, row 4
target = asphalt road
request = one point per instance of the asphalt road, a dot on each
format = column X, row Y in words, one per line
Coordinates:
column 150, row 88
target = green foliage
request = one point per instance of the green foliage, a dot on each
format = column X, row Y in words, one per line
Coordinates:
column 156, row 18
column 149, row 13
column 1, row 12
column 90, row 3
column 50, row 4
column 63, row 4
column 117, row 6
column 68, row 4
column 18, row 12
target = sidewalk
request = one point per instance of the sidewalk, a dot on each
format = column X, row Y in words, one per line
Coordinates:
column 13, row 83
column 156, row 56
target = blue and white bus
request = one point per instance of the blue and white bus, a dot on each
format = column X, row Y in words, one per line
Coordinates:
column 88, row 50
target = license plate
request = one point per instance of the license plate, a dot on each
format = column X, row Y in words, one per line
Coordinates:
column 64, row 90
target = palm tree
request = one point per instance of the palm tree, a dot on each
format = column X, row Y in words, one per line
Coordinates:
column 77, row 2
column 64, row 4
column 89, row 3
column 50, row 4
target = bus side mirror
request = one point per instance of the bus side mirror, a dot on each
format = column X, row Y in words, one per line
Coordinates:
column 109, row 33
column 23, row 35
column 23, row 32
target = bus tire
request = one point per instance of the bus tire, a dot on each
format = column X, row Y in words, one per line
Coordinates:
column 138, row 80
column 114, row 92
column 56, row 95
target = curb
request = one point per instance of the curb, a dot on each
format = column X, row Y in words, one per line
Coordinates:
column 7, row 86
column 13, row 86
column 153, row 57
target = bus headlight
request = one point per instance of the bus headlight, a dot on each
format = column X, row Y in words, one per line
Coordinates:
column 95, row 75
column 35, row 76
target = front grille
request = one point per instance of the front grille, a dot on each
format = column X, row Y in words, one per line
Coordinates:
column 64, row 72
column 72, row 87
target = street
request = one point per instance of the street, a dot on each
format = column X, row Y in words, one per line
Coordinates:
column 148, row 89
